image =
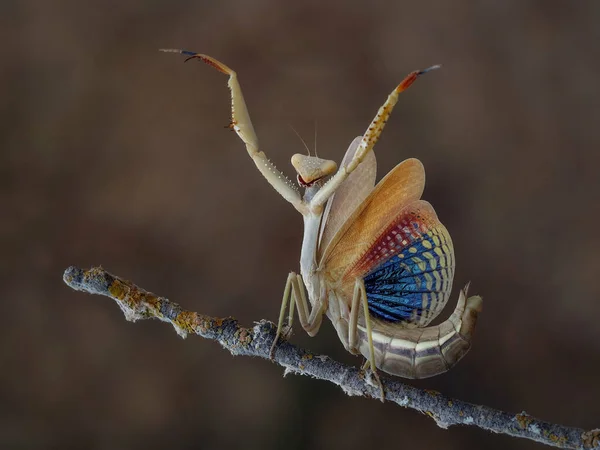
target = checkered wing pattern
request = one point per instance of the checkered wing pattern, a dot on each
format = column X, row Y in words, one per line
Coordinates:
column 408, row 269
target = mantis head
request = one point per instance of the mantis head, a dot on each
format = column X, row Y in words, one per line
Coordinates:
column 311, row 169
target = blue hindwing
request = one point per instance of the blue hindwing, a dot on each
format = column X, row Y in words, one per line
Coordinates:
column 413, row 281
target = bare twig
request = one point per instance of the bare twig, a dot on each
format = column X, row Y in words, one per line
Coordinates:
column 138, row 304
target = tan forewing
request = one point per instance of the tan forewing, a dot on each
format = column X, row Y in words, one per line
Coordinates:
column 402, row 186
column 348, row 196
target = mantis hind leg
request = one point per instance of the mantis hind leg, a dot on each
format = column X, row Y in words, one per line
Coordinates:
column 360, row 296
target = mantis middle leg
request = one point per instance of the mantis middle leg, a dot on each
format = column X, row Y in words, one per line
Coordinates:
column 295, row 294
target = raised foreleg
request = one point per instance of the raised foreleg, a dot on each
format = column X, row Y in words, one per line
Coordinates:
column 242, row 125
column 368, row 140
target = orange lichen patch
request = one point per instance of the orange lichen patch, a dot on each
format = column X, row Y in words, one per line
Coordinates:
column 524, row 420
column 559, row 440
column 118, row 290
column 307, row 356
column 138, row 300
column 187, row 321
column 243, row 336
column 432, row 392
column 591, row 439
column 94, row 272
column 144, row 302
column 450, row 404
column 133, row 297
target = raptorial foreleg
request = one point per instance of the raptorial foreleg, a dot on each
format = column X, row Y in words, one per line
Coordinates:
column 242, row 125
column 368, row 140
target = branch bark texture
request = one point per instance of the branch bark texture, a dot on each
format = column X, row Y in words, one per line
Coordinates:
column 138, row 304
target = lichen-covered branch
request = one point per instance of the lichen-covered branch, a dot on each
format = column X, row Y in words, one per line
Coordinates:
column 137, row 303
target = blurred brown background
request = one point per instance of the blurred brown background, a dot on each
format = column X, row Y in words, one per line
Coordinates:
column 112, row 153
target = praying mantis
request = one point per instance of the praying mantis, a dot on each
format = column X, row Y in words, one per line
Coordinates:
column 375, row 259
